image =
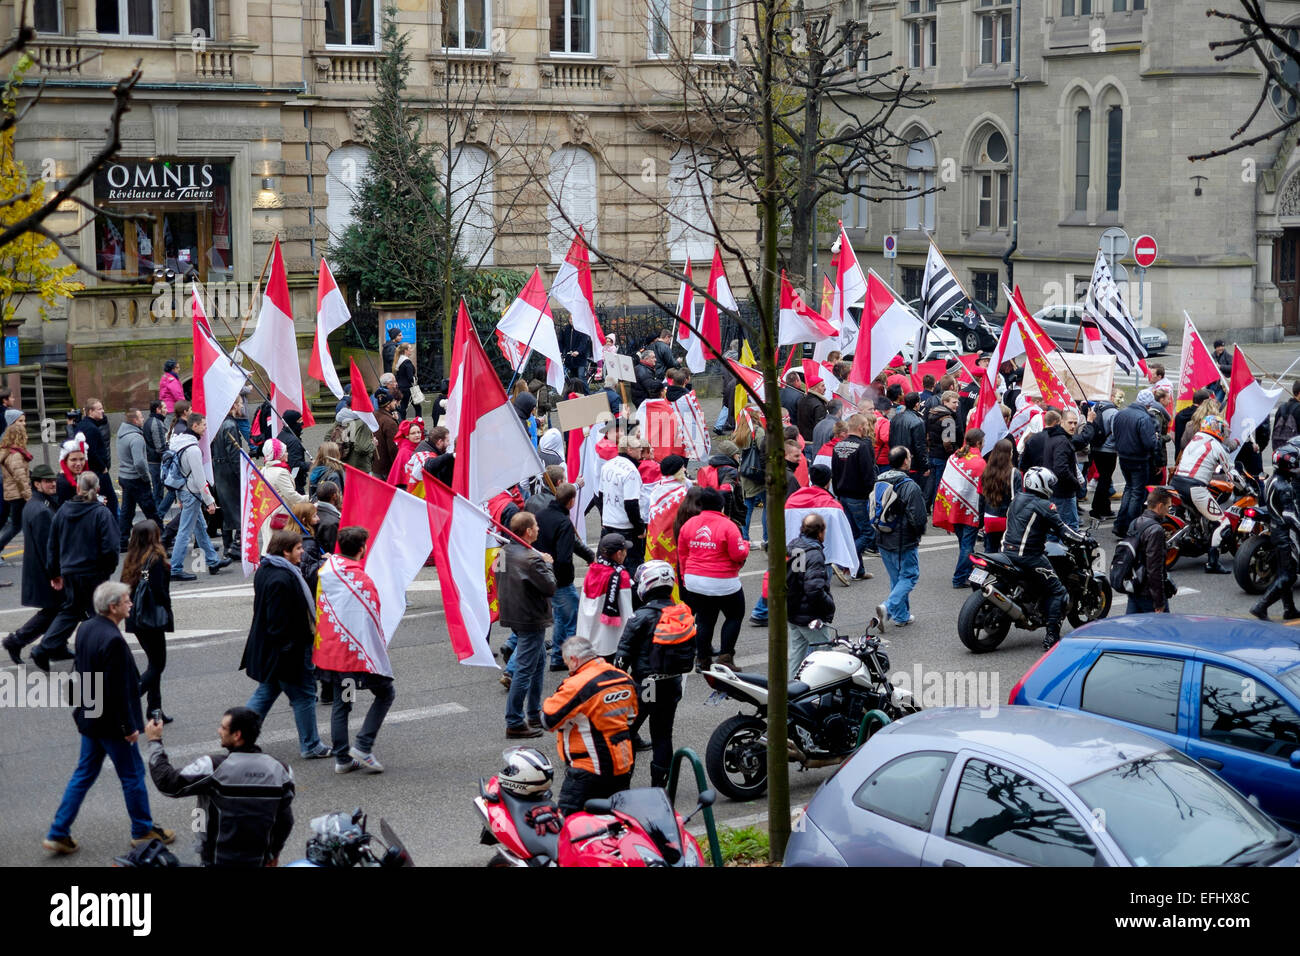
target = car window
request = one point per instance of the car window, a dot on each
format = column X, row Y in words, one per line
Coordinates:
column 1139, row 688
column 1241, row 712
column 999, row 810
column 906, row 789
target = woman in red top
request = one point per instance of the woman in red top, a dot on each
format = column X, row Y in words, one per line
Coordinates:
column 711, row 553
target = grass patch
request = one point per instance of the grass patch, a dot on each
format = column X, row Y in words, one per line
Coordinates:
column 741, row 847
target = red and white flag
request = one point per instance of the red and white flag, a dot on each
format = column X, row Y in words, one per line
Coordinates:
column 459, row 545
column 218, row 380
column 887, row 326
column 695, row 428
column 838, row 545
column 750, row 376
column 273, row 344
column 493, row 452
column 850, row 284
column 1249, row 403
column 583, row 462
column 331, row 313
column 529, row 320
column 1050, row 386
column 572, row 289
column 400, row 539
column 719, row 290
column 515, row 353
column 987, row 413
column 1196, row 366
column 256, row 502
column 361, row 403
column 200, row 325
column 799, row 321
column 686, row 308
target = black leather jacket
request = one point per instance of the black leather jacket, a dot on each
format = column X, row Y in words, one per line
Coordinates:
column 1283, row 508
column 638, row 636
column 1029, row 519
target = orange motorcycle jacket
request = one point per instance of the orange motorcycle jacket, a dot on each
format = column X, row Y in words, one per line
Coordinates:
column 591, row 713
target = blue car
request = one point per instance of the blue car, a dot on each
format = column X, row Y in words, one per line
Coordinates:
column 1224, row 691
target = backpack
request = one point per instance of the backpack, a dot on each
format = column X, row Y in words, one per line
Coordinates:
column 1127, row 573
column 1284, row 423
column 341, row 435
column 171, row 472
column 673, row 648
column 886, row 507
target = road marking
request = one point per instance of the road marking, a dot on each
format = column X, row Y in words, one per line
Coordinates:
column 354, row 724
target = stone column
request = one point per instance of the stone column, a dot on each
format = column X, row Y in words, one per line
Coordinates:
column 181, row 19
column 86, row 18
column 238, row 19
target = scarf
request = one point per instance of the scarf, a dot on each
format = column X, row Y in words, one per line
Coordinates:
column 605, row 576
column 280, row 561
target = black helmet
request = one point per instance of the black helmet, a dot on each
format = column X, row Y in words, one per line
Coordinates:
column 1286, row 460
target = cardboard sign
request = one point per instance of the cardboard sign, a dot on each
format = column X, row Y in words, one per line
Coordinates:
column 619, row 368
column 581, row 412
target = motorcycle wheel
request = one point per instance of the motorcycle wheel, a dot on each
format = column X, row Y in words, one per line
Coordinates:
column 736, row 762
column 980, row 625
column 1172, row 553
column 1091, row 606
column 1255, row 565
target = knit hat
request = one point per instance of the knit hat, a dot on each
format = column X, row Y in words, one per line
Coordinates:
column 672, row 465
column 74, row 444
column 726, row 447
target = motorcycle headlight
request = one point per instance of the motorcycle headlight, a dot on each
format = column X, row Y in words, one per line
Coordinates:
column 648, row 856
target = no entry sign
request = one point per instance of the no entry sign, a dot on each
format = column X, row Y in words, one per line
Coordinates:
column 1144, row 251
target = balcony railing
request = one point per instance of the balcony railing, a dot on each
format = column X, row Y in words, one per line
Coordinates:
column 348, row 69
column 575, row 75
column 65, row 56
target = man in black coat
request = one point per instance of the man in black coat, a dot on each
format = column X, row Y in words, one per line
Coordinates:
column 556, row 537
column 82, row 554
column 390, row 348
column 1053, row 449
column 808, row 589
column 226, row 444
column 109, row 719
column 155, row 443
column 907, row 429
column 38, row 516
column 663, row 349
column 291, row 435
column 647, row 383
column 99, row 455
column 791, row 392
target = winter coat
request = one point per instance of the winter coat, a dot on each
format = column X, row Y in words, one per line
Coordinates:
column 105, row 663
column 187, row 447
column 17, row 480
column 807, row 582
column 911, row 523
column 556, row 537
column 853, row 468
column 710, row 546
column 907, row 429
column 664, row 359
column 638, row 636
column 98, row 455
column 385, row 443
column 1160, row 420
column 133, row 456
column 941, row 436
column 160, row 588
column 155, row 438
column 38, row 516
column 790, row 401
column 1052, row 449
column 170, row 391
column 646, row 382
column 362, row 438
column 280, row 638
column 297, row 457
column 1151, row 556
column 277, row 476
column 327, row 532
column 226, row 444
column 1135, row 433
column 525, row 586
column 810, row 410
column 83, row 541
column 389, row 350
column 881, row 440
column 404, row 372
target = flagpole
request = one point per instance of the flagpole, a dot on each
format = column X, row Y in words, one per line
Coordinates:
column 229, row 331
column 244, row 455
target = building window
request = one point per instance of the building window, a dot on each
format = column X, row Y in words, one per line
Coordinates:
column 346, row 170
column 985, row 288
column 922, row 33
column 711, row 33
column 991, row 164
column 124, row 17
column 471, row 181
column 1123, row 6
column 351, row 22
column 201, row 18
column 854, row 209
column 1082, row 157
column 573, row 199
column 690, row 192
column 658, row 28
column 919, row 209
column 467, row 26
column 995, row 33
column 573, row 27
column 47, row 16
column 1114, row 156
column 911, row 282
column 993, row 190
column 1084, row 6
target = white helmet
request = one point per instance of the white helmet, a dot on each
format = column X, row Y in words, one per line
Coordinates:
column 526, row 772
column 654, row 574
column 1040, row 481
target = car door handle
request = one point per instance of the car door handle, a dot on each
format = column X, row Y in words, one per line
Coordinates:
column 1210, row 762
column 952, row 863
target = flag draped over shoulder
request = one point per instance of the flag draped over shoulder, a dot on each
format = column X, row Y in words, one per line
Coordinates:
column 958, row 500
column 665, row 498
column 839, row 545
column 695, row 430
column 350, row 636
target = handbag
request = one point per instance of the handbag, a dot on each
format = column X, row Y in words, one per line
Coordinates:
column 146, row 612
column 417, row 396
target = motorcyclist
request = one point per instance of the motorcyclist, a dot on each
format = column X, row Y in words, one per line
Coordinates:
column 1283, row 503
column 1030, row 519
column 1201, row 457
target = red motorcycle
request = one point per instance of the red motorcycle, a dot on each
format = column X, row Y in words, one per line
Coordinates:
column 632, row 828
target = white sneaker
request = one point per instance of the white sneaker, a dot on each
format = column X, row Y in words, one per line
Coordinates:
column 910, row 619
column 346, row 767
column 367, row 761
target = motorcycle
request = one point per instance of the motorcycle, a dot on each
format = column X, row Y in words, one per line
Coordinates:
column 340, row 840
column 1006, row 595
column 1255, row 564
column 1188, row 532
column 833, row 692
column 636, row 827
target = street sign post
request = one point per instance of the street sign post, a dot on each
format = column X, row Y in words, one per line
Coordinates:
column 1114, row 244
column 890, row 247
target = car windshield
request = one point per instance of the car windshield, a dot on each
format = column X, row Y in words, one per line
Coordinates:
column 1165, row 810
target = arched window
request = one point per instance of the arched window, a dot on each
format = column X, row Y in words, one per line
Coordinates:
column 473, row 183
column 991, row 170
column 1080, row 155
column 347, row 168
column 573, row 199
column 919, row 211
column 690, row 231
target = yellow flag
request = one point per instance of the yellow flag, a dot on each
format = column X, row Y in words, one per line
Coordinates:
column 746, row 359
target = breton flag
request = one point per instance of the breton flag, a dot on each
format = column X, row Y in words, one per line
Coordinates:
column 800, row 322
column 529, row 320
column 493, row 452
column 331, row 313
column 1104, row 309
column 361, row 403
column 274, row 346
column 1249, row 403
column 199, row 326
column 219, row 381
column 839, row 545
column 887, row 325
column 719, row 294
column 940, row 291
column 1196, row 366
column 459, row 546
column 572, row 289
column 256, row 502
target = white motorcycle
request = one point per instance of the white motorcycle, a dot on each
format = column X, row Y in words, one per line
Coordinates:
column 837, row 697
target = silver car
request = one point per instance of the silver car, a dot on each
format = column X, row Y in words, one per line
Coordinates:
column 1061, row 323
column 1024, row 786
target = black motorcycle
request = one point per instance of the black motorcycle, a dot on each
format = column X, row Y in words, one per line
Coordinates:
column 837, row 688
column 1006, row 595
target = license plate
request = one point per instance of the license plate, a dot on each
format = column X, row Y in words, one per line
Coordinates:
column 1247, row 525
column 717, row 697
column 978, row 576
column 1099, row 562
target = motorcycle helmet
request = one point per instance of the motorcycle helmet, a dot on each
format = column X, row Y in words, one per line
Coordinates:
column 1215, row 427
column 1040, row 481
column 1286, row 460
column 526, row 772
column 654, row 574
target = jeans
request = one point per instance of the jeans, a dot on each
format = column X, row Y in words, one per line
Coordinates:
column 12, row 522
column 565, row 607
column 130, row 770
column 966, row 535
column 1068, row 509
column 135, row 491
column 1105, row 463
column 525, row 692
column 192, row 526
column 904, row 571
column 1136, row 472
column 751, row 505
column 345, row 688
column 931, row 486
column 800, row 638
column 760, row 609
column 169, row 497
column 858, row 511
column 302, row 698
column 706, row 608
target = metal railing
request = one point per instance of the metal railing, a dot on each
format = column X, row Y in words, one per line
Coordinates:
column 701, row 782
